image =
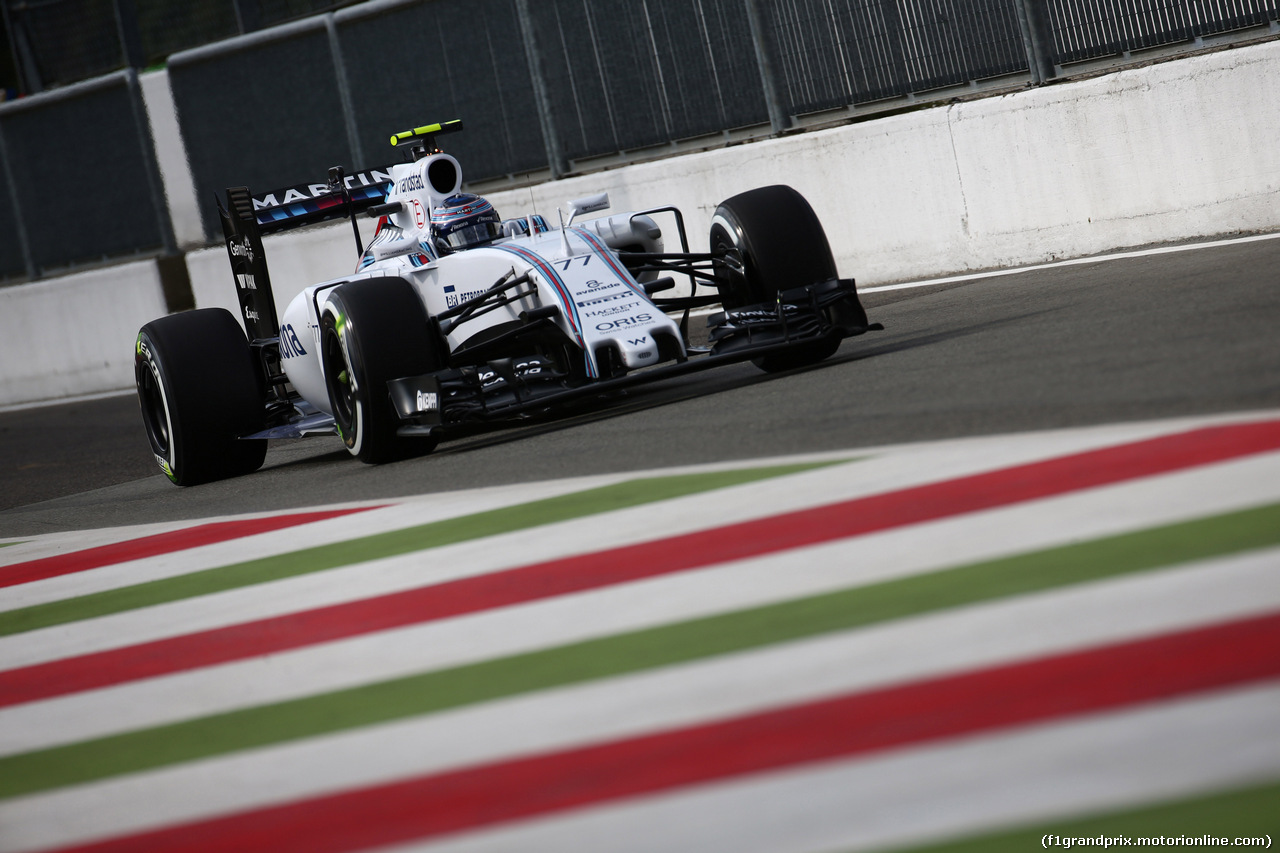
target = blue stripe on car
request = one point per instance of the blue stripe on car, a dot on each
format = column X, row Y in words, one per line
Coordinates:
column 601, row 250
column 566, row 299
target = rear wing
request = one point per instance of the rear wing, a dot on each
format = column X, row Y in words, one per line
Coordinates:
column 246, row 217
column 307, row 204
column 343, row 195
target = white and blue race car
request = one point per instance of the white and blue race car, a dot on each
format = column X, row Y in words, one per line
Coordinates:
column 454, row 315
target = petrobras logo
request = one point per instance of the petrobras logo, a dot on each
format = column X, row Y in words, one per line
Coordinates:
column 428, row 401
column 453, row 300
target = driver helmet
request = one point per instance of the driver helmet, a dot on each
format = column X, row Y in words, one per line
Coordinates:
column 464, row 220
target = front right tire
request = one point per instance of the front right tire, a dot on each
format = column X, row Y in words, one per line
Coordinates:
column 782, row 245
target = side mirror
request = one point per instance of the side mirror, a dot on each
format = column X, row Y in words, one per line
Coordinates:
column 588, row 204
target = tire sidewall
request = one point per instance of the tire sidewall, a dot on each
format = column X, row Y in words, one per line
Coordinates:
column 735, row 290
column 153, row 394
column 350, row 418
column 379, row 330
column 781, row 240
column 782, row 245
column 199, row 391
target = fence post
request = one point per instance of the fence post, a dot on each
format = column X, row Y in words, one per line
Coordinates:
column 19, row 223
column 130, row 36
column 247, row 18
column 24, row 60
column 778, row 117
column 1037, row 38
column 344, row 93
column 551, row 139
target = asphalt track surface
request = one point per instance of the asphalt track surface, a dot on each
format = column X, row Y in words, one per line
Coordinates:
column 1184, row 333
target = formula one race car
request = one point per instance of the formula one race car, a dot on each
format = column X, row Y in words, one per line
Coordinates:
column 454, row 315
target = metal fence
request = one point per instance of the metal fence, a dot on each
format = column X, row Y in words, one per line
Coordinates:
column 56, row 42
column 1088, row 29
column 80, row 183
column 544, row 85
column 839, row 52
column 624, row 75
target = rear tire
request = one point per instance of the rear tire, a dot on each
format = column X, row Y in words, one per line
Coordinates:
column 783, row 245
column 371, row 332
column 199, row 389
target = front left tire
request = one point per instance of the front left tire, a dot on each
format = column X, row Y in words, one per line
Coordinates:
column 373, row 331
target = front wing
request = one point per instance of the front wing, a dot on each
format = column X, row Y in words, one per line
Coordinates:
column 431, row 403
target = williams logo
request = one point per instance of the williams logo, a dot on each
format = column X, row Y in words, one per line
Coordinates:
column 290, row 346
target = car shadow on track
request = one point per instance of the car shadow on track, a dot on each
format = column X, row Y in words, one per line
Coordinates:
column 471, row 437
column 860, row 353
column 644, row 398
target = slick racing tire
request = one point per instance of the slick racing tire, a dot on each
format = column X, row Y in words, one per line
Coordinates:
column 199, row 390
column 783, row 245
column 373, row 331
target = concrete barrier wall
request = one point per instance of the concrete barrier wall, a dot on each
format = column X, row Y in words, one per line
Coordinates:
column 1164, row 153
column 1169, row 152
column 75, row 335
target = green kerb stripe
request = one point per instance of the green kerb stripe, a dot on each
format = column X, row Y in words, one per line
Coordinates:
column 432, row 535
column 1247, row 813
column 610, row 656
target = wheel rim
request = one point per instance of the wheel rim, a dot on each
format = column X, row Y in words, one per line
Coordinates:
column 154, row 414
column 338, row 379
column 732, row 284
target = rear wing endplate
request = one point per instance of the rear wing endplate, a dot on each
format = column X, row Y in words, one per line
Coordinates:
column 249, row 264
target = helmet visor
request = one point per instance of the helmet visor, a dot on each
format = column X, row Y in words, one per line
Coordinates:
column 473, row 235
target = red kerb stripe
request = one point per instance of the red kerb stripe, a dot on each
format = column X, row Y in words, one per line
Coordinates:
column 1031, row 692
column 161, row 543
column 650, row 559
